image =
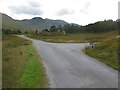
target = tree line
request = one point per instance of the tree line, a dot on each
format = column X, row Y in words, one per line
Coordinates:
column 97, row 27
column 10, row 31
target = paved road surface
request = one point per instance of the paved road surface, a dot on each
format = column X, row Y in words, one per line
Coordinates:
column 68, row 67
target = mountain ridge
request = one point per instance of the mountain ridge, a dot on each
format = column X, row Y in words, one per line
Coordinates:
column 29, row 24
column 41, row 23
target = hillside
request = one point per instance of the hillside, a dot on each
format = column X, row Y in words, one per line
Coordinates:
column 40, row 23
column 29, row 24
column 9, row 23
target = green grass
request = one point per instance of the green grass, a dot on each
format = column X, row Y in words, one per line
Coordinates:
column 33, row 75
column 74, row 38
column 22, row 66
column 106, row 52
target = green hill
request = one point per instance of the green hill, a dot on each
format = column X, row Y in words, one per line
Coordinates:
column 29, row 24
column 40, row 23
column 9, row 23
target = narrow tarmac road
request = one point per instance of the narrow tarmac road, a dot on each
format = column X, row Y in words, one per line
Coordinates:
column 68, row 67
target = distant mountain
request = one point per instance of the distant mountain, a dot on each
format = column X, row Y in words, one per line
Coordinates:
column 29, row 24
column 40, row 23
column 75, row 24
column 9, row 23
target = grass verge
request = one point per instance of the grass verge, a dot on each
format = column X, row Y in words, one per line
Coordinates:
column 74, row 38
column 22, row 66
column 106, row 52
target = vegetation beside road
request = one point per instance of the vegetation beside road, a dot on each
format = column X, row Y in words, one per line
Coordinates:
column 21, row 65
column 95, row 32
column 58, row 37
column 106, row 52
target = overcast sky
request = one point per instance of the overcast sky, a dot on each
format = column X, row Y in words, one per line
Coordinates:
column 73, row 11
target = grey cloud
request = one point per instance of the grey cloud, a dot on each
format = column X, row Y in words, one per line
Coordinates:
column 25, row 10
column 85, row 8
column 34, row 4
column 65, row 12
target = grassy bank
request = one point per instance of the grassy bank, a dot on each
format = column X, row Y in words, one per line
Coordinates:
column 73, row 38
column 106, row 52
column 22, row 66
